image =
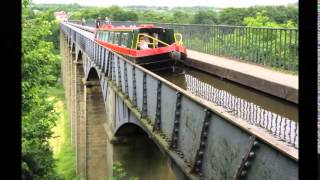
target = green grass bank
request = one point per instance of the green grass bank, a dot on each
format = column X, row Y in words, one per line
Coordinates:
column 63, row 150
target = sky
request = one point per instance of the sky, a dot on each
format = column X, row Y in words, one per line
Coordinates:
column 170, row 3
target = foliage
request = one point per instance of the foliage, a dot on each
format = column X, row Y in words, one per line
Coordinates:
column 206, row 17
column 119, row 172
column 262, row 20
column 233, row 16
column 181, row 15
column 38, row 115
column 65, row 164
column 278, row 14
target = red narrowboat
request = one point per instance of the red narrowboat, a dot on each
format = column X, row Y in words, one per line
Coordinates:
column 143, row 44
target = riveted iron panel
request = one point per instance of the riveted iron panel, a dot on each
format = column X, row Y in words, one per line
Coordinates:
column 270, row 164
column 152, row 84
column 130, row 81
column 123, row 82
column 116, row 69
column 226, row 145
column 168, row 107
column 139, row 80
column 191, row 121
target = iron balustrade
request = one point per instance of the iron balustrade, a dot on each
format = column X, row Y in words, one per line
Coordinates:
column 272, row 47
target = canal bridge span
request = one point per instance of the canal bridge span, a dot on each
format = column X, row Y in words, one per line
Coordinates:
column 105, row 92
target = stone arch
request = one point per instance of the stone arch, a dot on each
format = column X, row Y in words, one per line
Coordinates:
column 92, row 75
column 73, row 51
column 129, row 128
column 69, row 42
column 79, row 56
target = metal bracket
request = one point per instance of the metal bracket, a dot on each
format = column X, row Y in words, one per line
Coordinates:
column 176, row 125
column 249, row 155
column 119, row 74
column 104, row 60
column 109, row 65
column 197, row 167
column 157, row 123
column 126, row 79
column 134, row 86
column 113, row 69
column 144, row 112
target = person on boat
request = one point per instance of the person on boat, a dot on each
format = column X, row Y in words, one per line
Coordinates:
column 98, row 22
column 143, row 44
column 83, row 22
column 107, row 20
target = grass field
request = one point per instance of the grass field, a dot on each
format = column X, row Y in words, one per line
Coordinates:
column 61, row 141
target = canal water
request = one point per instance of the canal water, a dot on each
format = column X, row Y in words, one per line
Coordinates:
column 187, row 77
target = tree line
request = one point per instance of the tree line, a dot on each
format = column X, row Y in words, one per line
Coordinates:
column 180, row 15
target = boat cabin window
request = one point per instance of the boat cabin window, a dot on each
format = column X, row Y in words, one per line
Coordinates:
column 106, row 36
column 161, row 36
column 116, row 38
column 98, row 35
column 124, row 39
column 110, row 40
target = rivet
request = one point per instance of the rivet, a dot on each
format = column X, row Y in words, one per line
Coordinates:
column 243, row 173
column 201, row 153
column 256, row 144
column 247, row 164
column 204, row 134
column 206, row 124
column 251, row 154
column 175, row 138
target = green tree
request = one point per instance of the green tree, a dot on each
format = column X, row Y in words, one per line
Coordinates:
column 206, row 17
column 181, row 17
column 119, row 173
column 38, row 116
column 233, row 16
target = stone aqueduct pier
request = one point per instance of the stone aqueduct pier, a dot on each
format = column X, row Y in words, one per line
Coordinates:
column 106, row 92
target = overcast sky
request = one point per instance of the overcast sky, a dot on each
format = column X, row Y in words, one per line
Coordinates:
column 171, row 3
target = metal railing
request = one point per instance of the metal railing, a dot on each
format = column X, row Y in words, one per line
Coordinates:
column 272, row 47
